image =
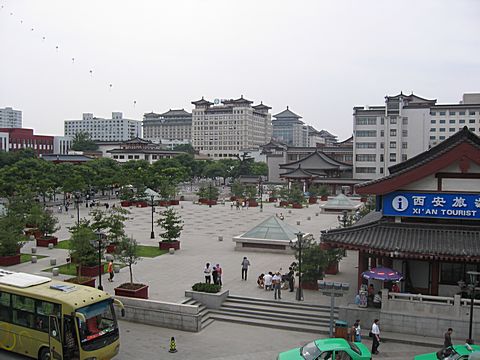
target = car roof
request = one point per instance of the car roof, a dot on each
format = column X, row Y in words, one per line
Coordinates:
column 462, row 349
column 332, row 344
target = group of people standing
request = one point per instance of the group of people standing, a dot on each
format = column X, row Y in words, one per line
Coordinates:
column 214, row 273
column 356, row 334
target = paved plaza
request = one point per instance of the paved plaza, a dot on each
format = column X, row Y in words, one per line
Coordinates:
column 170, row 275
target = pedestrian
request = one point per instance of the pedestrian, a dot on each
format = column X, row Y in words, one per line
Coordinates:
column 291, row 279
column 245, row 264
column 110, row 271
column 220, row 273
column 375, row 333
column 277, row 285
column 267, row 280
column 281, row 216
column 447, row 342
column 208, row 273
column 395, row 288
column 357, row 331
column 237, row 204
column 215, row 275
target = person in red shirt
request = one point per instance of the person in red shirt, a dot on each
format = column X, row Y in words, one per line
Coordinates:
column 110, row 271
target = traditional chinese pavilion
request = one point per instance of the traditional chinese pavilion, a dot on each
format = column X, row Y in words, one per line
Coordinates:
column 427, row 219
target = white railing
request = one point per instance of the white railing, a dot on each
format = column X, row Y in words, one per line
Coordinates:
column 421, row 298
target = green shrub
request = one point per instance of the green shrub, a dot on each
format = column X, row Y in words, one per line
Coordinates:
column 204, row 287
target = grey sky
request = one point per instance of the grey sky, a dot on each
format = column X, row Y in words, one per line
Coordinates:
column 319, row 57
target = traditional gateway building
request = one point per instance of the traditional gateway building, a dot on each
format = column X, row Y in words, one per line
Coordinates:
column 427, row 223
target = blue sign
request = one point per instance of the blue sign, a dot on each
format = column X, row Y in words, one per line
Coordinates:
column 437, row 205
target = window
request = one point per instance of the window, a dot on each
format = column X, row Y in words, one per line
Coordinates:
column 393, row 157
column 404, row 145
column 452, row 273
column 5, row 313
column 461, row 113
column 381, row 170
column 382, row 145
column 405, row 121
column 451, row 113
column 433, row 121
column 441, row 138
column 23, row 312
column 393, row 132
column 366, row 145
column 365, row 170
column 130, row 157
column 393, row 120
column 382, row 121
column 393, row 144
column 442, row 121
column 451, row 129
column 441, row 129
column 404, row 157
column 404, row 133
column 382, row 133
column 382, row 159
column 366, row 133
column 471, row 121
column 471, row 112
column 433, row 113
column 451, row 121
column 471, row 129
column 366, row 121
column 442, row 113
column 461, row 121
column 365, row 157
column 432, row 129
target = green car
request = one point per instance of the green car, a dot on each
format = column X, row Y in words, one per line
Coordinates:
column 328, row 349
column 456, row 352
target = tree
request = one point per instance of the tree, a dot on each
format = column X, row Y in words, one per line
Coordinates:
column 171, row 223
column 296, row 194
column 82, row 142
column 238, row 189
column 314, row 260
column 251, row 191
column 11, row 234
column 259, row 168
column 188, row 148
column 48, row 223
column 81, row 250
column 128, row 253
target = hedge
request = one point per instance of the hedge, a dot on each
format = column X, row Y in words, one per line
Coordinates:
column 204, row 287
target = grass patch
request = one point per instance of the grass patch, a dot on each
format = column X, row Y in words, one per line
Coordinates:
column 28, row 257
column 71, row 269
column 149, row 251
column 143, row 250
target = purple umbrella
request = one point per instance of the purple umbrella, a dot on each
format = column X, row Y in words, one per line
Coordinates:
column 383, row 274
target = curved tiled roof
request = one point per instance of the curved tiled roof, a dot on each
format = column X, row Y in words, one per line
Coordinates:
column 287, row 114
column 323, row 156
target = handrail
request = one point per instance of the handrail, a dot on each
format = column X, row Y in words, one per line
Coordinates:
column 430, row 299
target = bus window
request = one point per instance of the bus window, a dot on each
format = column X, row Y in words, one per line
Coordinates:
column 43, row 310
column 23, row 313
column 100, row 321
column 5, row 307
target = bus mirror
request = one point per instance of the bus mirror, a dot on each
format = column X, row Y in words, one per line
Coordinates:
column 118, row 303
column 81, row 317
column 122, row 312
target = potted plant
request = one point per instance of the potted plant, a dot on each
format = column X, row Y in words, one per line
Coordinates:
column 273, row 194
column 323, row 192
column 82, row 254
column 333, row 258
column 202, row 194
column 237, row 190
column 11, row 239
column 172, row 224
column 284, row 195
column 251, row 193
column 313, row 190
column 127, row 196
column 295, row 197
column 114, row 226
column 314, row 262
column 128, row 254
column 48, row 225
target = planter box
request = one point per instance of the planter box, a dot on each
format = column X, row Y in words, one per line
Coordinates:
column 140, row 293
column 163, row 203
column 85, row 281
column 44, row 241
column 332, row 269
column 283, row 203
column 35, row 232
column 10, row 260
column 174, row 202
column 125, row 203
column 272, row 199
column 202, row 201
column 233, row 198
column 165, row 245
column 324, row 198
column 252, row 203
column 141, row 204
column 312, row 200
column 364, row 200
column 297, row 206
column 211, row 301
column 91, row 271
column 310, row 285
column 211, row 202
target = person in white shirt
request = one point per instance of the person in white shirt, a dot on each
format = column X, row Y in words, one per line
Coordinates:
column 208, row 273
column 376, row 336
column 277, row 285
column 268, row 281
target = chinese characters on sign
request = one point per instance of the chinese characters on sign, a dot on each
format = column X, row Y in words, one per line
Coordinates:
column 444, row 205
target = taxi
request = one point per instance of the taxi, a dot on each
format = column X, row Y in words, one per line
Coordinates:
column 456, row 352
column 328, row 349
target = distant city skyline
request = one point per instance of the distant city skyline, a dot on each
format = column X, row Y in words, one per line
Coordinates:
column 319, row 58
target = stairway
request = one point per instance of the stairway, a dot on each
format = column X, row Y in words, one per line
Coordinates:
column 280, row 314
column 203, row 311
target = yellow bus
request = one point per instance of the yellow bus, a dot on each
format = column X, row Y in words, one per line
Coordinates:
column 54, row 320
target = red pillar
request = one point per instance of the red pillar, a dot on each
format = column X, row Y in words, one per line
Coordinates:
column 362, row 266
column 373, row 262
column 435, row 276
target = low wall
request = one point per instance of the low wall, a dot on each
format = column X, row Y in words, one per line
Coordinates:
column 417, row 314
column 159, row 313
column 211, row 301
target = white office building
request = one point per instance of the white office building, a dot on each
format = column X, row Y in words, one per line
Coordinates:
column 223, row 129
column 10, row 118
column 404, row 127
column 115, row 129
column 62, row 144
column 172, row 127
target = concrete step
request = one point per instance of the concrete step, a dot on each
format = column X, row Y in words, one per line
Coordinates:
column 270, row 323
column 282, row 303
column 277, row 307
column 280, row 314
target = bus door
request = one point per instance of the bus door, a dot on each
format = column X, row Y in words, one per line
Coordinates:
column 54, row 338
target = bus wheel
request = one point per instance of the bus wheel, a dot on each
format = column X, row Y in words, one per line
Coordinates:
column 44, row 354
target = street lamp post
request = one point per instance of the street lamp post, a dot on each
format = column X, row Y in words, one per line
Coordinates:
column 298, row 244
column 77, row 204
column 343, row 218
column 152, row 234
column 98, row 244
column 210, row 194
column 332, row 289
column 260, row 183
column 473, row 283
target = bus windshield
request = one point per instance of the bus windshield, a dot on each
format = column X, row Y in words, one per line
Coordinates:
column 100, row 321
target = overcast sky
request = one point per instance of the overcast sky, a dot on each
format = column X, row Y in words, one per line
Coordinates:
column 319, row 57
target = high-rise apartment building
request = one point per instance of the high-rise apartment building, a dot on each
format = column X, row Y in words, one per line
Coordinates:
column 10, row 118
column 405, row 126
column 171, row 126
column 115, row 129
column 222, row 129
column 289, row 129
